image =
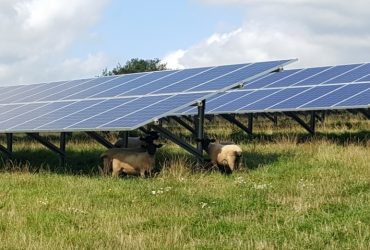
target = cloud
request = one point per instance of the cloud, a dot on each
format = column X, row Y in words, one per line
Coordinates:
column 316, row 32
column 36, row 36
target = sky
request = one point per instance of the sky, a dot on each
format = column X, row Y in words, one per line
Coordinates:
column 51, row 40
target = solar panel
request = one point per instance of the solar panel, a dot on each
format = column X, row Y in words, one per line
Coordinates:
column 320, row 88
column 123, row 102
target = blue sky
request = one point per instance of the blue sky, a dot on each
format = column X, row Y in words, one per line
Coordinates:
column 151, row 29
column 50, row 40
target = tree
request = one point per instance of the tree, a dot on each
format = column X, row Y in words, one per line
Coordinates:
column 136, row 65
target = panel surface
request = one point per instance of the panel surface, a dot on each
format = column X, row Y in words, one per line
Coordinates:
column 123, row 102
column 330, row 87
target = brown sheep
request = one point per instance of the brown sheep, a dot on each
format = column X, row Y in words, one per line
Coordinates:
column 138, row 161
column 226, row 157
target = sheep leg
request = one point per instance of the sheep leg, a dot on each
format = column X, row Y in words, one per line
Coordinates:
column 106, row 166
column 116, row 173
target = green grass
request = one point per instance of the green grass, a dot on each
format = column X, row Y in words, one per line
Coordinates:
column 293, row 192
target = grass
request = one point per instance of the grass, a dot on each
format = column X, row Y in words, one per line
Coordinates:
column 294, row 192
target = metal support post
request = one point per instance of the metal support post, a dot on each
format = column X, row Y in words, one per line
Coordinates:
column 9, row 142
column 62, row 157
column 200, row 128
column 313, row 122
column 125, row 139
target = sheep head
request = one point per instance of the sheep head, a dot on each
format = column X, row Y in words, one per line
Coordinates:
column 151, row 148
column 150, row 137
column 205, row 142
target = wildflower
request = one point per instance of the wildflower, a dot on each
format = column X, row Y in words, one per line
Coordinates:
column 203, row 204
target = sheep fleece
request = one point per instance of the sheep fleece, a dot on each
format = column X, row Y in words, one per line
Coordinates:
column 221, row 154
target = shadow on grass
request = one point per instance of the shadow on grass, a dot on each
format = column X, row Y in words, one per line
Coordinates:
column 87, row 162
column 343, row 138
column 77, row 163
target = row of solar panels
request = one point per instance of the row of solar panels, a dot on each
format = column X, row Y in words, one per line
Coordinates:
column 149, row 83
column 120, row 102
column 130, row 101
column 319, row 88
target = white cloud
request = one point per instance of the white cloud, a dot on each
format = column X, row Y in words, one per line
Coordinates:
column 36, row 36
column 316, row 32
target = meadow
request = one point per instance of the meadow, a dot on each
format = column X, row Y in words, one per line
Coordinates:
column 293, row 191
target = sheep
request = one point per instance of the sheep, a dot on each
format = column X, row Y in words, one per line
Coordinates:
column 131, row 161
column 226, row 157
column 136, row 142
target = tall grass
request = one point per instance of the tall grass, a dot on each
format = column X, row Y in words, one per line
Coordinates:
column 294, row 191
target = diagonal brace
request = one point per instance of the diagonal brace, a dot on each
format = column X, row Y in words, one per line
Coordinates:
column 177, row 140
column 365, row 112
column 100, row 139
column 231, row 119
column 310, row 126
column 8, row 150
column 184, row 124
column 271, row 117
column 46, row 143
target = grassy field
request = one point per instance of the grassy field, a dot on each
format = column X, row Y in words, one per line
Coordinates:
column 294, row 191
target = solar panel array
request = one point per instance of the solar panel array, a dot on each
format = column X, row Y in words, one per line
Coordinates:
column 124, row 102
column 320, row 88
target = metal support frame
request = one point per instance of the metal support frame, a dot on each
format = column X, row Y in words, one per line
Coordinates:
column 188, row 118
column 233, row 120
column 310, row 126
column 8, row 150
column 365, row 112
column 272, row 117
column 144, row 130
column 100, row 139
column 62, row 146
column 184, row 124
column 200, row 128
column 177, row 140
column 125, row 139
column 60, row 151
column 198, row 132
